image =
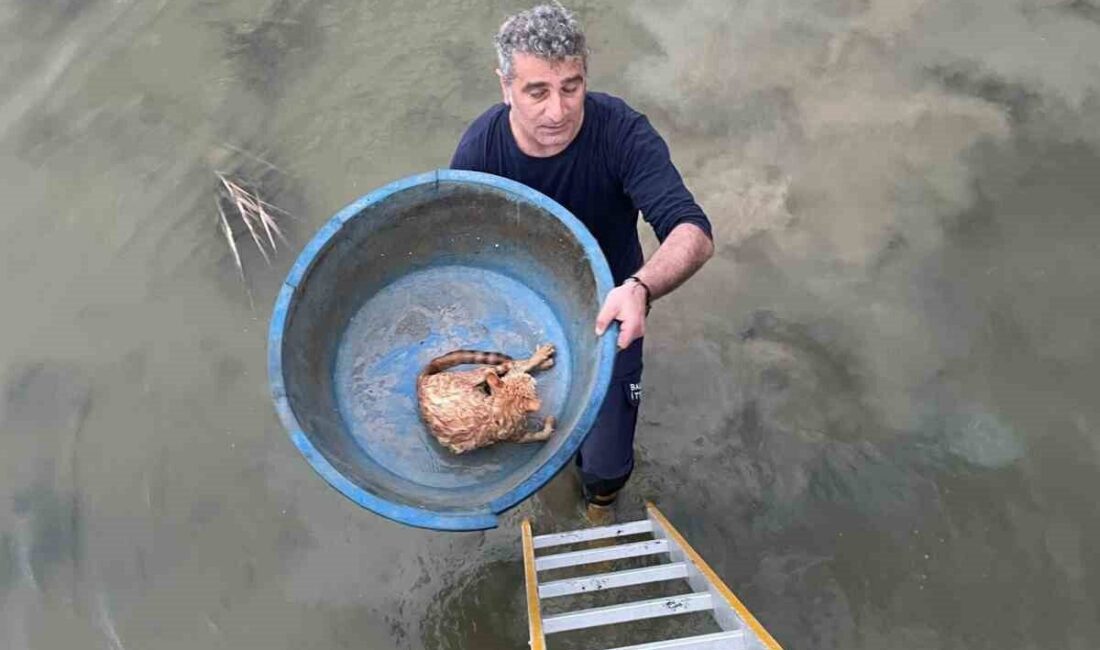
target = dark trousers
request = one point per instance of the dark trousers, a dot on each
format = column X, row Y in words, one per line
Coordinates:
column 606, row 457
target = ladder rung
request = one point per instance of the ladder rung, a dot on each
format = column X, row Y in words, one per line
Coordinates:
column 603, row 581
column 733, row 640
column 601, row 532
column 588, row 556
column 626, row 612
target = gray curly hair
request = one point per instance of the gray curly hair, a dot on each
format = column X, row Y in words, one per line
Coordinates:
column 548, row 31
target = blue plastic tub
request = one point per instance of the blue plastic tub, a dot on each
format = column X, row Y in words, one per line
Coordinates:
column 431, row 263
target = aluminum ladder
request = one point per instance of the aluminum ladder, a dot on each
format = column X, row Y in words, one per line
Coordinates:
column 740, row 629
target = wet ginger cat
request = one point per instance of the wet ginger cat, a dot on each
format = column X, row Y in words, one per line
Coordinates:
column 469, row 409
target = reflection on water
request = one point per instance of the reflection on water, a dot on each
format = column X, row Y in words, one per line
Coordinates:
column 873, row 412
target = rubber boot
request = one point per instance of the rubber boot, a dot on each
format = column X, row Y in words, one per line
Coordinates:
column 600, row 511
column 599, row 514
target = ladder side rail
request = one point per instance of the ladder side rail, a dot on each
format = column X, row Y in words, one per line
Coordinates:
column 729, row 612
column 536, row 637
column 724, row 615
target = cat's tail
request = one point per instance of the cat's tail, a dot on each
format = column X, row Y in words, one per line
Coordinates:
column 462, row 357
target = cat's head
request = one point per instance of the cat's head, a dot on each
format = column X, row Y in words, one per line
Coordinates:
column 514, row 392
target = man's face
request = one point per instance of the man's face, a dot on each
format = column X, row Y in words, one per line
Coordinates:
column 547, row 100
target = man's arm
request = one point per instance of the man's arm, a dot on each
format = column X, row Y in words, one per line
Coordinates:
column 683, row 252
column 653, row 183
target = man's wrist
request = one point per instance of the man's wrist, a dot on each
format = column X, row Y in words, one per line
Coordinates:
column 634, row 279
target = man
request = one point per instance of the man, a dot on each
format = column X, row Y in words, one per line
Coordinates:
column 604, row 163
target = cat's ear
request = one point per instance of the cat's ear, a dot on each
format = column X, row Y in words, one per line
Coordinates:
column 493, row 379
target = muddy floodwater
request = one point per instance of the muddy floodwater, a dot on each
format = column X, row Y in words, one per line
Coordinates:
column 875, row 411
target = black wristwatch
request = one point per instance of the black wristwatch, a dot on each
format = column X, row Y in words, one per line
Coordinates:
column 647, row 292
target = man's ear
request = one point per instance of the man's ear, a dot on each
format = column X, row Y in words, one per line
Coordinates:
column 505, row 88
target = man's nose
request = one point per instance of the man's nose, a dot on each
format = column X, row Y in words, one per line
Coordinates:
column 556, row 109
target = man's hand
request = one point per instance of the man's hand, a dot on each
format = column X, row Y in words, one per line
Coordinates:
column 626, row 304
column 682, row 253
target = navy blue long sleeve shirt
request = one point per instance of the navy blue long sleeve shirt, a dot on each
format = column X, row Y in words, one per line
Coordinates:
column 616, row 166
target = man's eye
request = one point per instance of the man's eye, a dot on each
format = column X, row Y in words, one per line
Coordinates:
column 569, row 90
column 538, row 94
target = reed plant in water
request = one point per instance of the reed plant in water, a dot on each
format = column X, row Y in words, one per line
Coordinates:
column 236, row 201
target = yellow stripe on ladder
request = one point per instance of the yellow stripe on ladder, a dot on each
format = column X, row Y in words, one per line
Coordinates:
column 534, row 613
column 710, row 575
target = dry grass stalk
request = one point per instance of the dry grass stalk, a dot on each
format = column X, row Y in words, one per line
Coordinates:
column 256, row 215
column 233, row 247
column 253, row 156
